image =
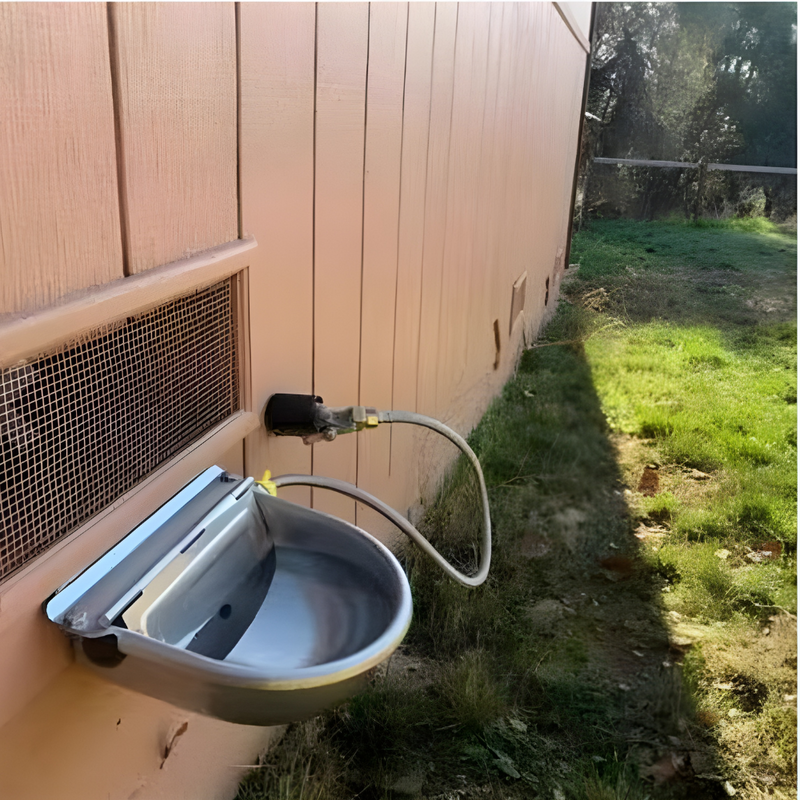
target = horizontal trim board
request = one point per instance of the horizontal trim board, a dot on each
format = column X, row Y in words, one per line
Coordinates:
column 31, row 333
column 638, row 162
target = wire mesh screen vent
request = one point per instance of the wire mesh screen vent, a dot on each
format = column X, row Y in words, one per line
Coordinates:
column 81, row 426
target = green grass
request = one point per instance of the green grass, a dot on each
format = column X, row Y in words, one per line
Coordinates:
column 710, row 404
column 701, row 369
column 718, row 396
column 743, row 224
column 559, row 676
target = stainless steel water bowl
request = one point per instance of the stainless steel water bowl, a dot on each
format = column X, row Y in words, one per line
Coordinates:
column 238, row 605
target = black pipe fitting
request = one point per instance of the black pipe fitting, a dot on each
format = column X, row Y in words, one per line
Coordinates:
column 292, row 414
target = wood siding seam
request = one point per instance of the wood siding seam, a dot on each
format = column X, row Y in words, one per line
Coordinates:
column 314, row 235
column 314, row 239
column 113, row 59
column 425, row 209
column 237, row 11
column 363, row 212
column 439, row 409
column 399, row 208
column 363, row 208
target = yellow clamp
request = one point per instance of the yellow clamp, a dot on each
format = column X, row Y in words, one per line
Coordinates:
column 364, row 417
column 268, row 484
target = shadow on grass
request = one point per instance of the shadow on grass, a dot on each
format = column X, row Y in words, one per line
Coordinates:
column 560, row 677
column 555, row 678
column 571, row 618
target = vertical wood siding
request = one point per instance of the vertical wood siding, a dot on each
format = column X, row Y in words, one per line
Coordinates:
column 277, row 196
column 400, row 165
column 342, row 44
column 456, row 307
column 382, row 167
column 436, row 205
column 59, row 222
column 175, row 70
column 402, row 484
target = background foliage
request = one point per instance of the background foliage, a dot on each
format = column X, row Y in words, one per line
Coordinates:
column 685, row 82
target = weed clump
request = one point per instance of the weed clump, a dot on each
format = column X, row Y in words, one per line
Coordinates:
column 304, row 766
column 472, row 695
column 702, row 582
column 384, row 722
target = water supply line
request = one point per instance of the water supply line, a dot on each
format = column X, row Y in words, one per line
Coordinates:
column 306, row 416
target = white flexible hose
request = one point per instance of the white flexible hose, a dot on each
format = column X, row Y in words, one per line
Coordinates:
column 343, row 487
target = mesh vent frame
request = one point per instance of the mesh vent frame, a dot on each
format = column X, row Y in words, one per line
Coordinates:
column 88, row 421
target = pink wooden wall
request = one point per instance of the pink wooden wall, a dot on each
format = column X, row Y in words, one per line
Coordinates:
column 400, row 166
column 431, row 149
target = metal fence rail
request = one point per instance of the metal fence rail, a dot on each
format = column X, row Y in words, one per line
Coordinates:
column 637, row 162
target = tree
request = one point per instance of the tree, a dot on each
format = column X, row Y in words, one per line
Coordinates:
column 685, row 82
column 757, row 82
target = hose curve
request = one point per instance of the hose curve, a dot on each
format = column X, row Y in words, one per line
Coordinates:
column 343, row 487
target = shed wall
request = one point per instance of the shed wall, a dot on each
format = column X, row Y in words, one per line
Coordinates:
column 399, row 165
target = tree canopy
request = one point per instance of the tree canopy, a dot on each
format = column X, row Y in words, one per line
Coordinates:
column 684, row 81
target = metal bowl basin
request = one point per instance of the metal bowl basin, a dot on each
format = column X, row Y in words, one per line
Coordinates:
column 338, row 604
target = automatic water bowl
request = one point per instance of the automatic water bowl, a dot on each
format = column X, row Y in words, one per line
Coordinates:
column 233, row 603
column 239, row 605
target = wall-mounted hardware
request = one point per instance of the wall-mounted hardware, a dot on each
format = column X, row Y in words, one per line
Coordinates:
column 239, row 605
column 306, row 413
column 231, row 602
column 518, row 291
